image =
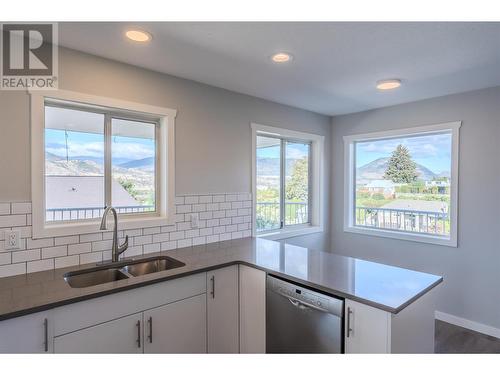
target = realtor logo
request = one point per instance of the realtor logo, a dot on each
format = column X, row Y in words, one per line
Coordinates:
column 29, row 56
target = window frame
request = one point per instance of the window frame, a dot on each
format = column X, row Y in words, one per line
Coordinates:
column 316, row 192
column 112, row 109
column 350, row 184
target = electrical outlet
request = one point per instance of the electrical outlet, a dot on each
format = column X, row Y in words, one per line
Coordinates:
column 11, row 239
column 195, row 218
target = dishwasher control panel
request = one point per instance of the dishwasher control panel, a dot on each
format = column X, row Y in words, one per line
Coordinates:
column 306, row 296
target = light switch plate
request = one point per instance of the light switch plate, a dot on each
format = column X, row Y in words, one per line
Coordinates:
column 11, row 239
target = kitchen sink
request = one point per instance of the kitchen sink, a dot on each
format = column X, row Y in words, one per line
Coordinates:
column 120, row 271
column 153, row 265
column 83, row 279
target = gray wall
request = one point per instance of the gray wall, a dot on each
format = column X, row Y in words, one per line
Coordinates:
column 213, row 137
column 471, row 271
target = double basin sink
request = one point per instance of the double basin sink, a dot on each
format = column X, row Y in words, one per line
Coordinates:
column 120, row 271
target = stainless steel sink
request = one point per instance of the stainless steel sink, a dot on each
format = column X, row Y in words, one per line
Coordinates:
column 153, row 265
column 120, row 271
column 83, row 279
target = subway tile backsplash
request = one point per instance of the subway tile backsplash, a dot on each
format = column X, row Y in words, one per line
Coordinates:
column 221, row 217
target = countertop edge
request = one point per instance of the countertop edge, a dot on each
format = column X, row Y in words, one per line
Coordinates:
column 71, row 300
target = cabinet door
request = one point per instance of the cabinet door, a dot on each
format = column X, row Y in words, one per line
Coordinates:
column 367, row 329
column 252, row 310
column 27, row 334
column 178, row 327
column 222, row 310
column 122, row 335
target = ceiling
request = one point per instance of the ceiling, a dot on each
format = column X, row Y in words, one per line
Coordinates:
column 335, row 65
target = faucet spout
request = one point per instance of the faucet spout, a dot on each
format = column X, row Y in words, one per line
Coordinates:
column 116, row 249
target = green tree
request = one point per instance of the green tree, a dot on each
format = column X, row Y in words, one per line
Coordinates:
column 297, row 185
column 128, row 186
column 401, row 168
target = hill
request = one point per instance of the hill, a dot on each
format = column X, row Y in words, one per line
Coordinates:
column 375, row 170
column 146, row 164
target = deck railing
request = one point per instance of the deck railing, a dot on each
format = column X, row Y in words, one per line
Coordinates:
column 429, row 222
column 268, row 214
column 82, row 213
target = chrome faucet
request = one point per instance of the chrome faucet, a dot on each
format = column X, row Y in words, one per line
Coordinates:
column 116, row 249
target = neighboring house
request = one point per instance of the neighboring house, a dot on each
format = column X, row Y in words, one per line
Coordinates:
column 385, row 187
column 83, row 192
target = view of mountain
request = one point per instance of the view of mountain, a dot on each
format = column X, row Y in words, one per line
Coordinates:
column 271, row 166
column 146, row 164
column 375, row 170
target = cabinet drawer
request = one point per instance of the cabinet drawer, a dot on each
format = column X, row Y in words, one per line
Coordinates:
column 102, row 309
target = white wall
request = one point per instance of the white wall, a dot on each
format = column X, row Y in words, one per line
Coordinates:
column 213, row 136
column 471, row 271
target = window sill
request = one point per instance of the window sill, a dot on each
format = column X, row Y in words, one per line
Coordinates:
column 407, row 236
column 289, row 233
column 68, row 229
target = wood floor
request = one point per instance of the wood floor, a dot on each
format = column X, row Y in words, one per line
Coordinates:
column 453, row 339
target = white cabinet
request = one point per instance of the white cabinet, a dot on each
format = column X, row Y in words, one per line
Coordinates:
column 252, row 310
column 222, row 310
column 178, row 327
column 122, row 335
column 371, row 330
column 27, row 334
column 175, row 310
column 367, row 329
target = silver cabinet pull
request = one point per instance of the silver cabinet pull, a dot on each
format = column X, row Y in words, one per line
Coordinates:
column 138, row 325
column 212, row 279
column 46, row 335
column 349, row 329
column 150, row 321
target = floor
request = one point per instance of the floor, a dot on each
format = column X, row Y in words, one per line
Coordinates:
column 453, row 339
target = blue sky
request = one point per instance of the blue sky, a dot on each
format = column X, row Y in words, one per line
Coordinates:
column 89, row 144
column 431, row 151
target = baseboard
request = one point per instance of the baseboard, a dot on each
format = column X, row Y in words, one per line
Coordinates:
column 468, row 324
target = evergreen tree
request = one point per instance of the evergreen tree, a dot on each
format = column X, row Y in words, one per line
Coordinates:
column 401, row 168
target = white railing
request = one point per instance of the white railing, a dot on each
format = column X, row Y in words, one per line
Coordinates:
column 268, row 214
column 82, row 213
column 429, row 222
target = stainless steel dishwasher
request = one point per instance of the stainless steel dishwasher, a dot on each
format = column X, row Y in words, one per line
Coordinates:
column 300, row 320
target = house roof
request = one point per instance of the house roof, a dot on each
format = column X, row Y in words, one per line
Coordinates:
column 418, row 205
column 83, row 192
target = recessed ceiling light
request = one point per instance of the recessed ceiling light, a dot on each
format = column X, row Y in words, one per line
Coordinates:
column 388, row 84
column 138, row 35
column 281, row 57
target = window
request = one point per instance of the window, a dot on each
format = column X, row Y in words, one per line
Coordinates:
column 88, row 154
column 287, row 190
column 403, row 184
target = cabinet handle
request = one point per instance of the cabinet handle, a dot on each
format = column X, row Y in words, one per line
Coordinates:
column 212, row 279
column 138, row 325
column 349, row 329
column 150, row 321
column 46, row 334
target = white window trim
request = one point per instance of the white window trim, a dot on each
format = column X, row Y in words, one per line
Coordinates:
column 317, row 193
column 166, row 167
column 349, row 187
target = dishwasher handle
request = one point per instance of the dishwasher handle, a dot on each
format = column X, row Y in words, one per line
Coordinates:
column 304, row 305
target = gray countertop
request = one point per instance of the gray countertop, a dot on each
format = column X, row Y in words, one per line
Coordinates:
column 386, row 287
